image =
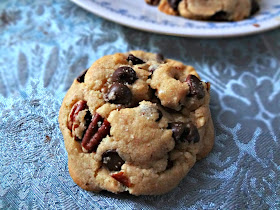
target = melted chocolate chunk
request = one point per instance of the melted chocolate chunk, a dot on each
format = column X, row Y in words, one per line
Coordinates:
column 119, row 94
column 174, row 4
column 124, row 74
column 255, row 7
column 112, row 160
column 182, row 132
column 196, row 87
column 219, row 16
column 134, row 59
column 81, row 77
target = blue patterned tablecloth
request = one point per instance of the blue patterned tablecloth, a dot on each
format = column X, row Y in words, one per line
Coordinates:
column 45, row 44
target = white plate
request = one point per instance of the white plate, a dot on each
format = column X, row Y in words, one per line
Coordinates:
column 137, row 14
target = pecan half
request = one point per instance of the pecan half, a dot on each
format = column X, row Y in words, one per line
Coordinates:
column 79, row 106
column 95, row 133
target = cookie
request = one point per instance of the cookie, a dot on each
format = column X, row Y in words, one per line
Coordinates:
column 135, row 122
column 217, row 10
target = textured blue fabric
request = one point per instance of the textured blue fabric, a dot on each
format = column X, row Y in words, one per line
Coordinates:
column 45, row 44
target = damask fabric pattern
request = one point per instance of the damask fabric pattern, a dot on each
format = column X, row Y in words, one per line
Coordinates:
column 44, row 46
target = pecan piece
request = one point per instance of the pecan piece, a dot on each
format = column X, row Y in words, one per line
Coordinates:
column 120, row 177
column 95, row 134
column 79, row 106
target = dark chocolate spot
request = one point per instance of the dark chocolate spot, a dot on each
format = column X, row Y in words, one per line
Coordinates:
column 153, row 2
column 119, row 94
column 87, row 118
column 81, row 77
column 255, row 7
column 124, row 74
column 182, row 132
column 192, row 133
column 178, row 130
column 134, row 59
column 195, row 86
column 174, row 4
column 219, row 16
column 112, row 160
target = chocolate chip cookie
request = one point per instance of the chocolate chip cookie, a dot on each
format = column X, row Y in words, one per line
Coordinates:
column 217, row 10
column 135, row 122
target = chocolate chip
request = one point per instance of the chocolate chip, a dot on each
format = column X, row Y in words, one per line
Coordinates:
column 153, row 2
column 87, row 118
column 196, row 87
column 193, row 135
column 182, row 132
column 112, row 160
column 124, row 74
column 178, row 130
column 160, row 58
column 81, row 77
column 134, row 59
column 255, row 7
column 174, row 4
column 119, row 94
column 219, row 16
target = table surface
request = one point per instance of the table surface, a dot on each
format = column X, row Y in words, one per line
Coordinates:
column 45, row 44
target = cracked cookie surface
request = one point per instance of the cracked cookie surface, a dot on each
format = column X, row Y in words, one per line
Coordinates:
column 135, row 122
column 217, row 10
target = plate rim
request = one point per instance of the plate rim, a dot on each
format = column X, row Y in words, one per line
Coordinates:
column 115, row 17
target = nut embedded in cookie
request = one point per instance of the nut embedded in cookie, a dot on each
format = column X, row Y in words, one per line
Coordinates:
column 98, row 129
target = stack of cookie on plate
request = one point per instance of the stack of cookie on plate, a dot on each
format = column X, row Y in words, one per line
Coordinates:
column 221, row 10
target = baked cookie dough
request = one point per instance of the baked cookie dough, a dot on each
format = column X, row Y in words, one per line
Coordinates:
column 217, row 10
column 135, row 122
